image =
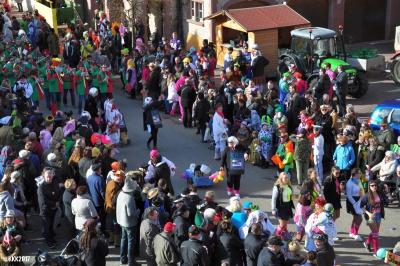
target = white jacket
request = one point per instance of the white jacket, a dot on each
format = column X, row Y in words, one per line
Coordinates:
column 83, row 209
column 386, row 169
column 219, row 127
column 318, row 145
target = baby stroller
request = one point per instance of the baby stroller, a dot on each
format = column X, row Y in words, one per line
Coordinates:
column 124, row 139
column 72, row 247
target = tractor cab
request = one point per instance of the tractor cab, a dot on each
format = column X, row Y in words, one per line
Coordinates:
column 314, row 45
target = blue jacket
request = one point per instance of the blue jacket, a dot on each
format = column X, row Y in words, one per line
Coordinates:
column 344, row 156
column 238, row 219
column 97, row 188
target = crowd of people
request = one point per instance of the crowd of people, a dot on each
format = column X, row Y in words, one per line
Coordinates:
column 58, row 166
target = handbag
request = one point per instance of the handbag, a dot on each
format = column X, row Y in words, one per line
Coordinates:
column 207, row 135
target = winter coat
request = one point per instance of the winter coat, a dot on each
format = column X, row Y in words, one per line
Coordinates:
column 182, row 228
column 6, row 203
column 268, row 258
column 48, row 195
column 97, row 253
column 127, row 213
column 303, row 149
column 326, row 122
column 330, row 193
column 341, row 83
column 326, row 255
column 166, row 251
column 153, row 84
column 226, row 158
column 386, row 137
column 228, row 249
column 148, row 108
column 54, row 44
column 112, row 188
column 188, row 95
column 83, row 209
column 374, row 156
column 97, row 188
column 68, row 197
column 193, row 253
column 148, row 232
column 258, row 64
column 322, row 87
column 201, row 113
column 344, row 156
column 253, row 246
column 162, row 170
column 219, row 127
column 386, row 169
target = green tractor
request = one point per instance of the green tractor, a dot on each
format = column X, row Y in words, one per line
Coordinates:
column 311, row 49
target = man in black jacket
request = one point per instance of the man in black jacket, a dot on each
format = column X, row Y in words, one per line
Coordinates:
column 162, row 171
column 253, row 244
column 49, row 196
column 341, row 90
column 181, row 220
column 322, row 86
column 193, row 251
column 188, row 96
column 325, row 120
column 272, row 255
column 201, row 114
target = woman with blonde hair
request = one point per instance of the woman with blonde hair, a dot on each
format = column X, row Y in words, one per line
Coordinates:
column 282, row 202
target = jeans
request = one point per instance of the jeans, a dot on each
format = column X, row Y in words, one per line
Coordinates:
column 48, row 221
column 65, row 95
column 167, row 105
column 128, row 244
column 47, row 95
column 341, row 102
column 80, row 102
column 55, row 97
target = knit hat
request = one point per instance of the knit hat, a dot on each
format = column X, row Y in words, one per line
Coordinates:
column 168, row 227
column 51, row 157
column 14, row 176
column 23, row 154
column 199, row 219
column 96, row 167
column 153, row 153
column 194, row 231
column 130, row 185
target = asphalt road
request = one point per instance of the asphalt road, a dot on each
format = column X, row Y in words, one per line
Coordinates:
column 183, row 147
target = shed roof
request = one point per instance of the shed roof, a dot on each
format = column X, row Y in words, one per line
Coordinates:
column 261, row 18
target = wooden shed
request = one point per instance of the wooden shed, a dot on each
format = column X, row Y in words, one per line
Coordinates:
column 268, row 26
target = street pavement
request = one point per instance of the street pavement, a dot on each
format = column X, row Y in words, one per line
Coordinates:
column 183, row 147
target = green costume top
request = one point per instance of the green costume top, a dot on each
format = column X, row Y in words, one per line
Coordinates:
column 42, row 74
column 102, row 84
column 24, row 25
column 81, row 83
column 35, row 95
column 53, row 81
column 93, row 71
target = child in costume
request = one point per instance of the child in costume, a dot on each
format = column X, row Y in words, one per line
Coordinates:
column 113, row 117
column 265, row 137
column 254, row 156
column 243, row 134
column 254, row 121
column 9, row 248
column 284, row 155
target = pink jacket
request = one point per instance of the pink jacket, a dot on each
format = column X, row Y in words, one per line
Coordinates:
column 300, row 216
column 181, row 82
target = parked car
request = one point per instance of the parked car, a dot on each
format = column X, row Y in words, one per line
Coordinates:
column 389, row 109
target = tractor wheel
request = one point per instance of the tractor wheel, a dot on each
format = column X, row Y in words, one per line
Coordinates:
column 362, row 85
column 395, row 70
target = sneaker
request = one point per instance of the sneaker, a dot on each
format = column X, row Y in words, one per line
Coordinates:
column 351, row 235
column 367, row 247
column 335, row 239
column 237, row 195
column 229, row 193
column 376, row 256
column 358, row 238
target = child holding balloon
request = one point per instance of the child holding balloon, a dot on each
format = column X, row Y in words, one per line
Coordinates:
column 233, row 160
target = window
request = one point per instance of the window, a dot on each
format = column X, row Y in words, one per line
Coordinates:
column 196, row 11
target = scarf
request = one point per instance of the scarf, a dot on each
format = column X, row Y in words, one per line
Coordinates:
column 220, row 113
column 337, row 186
column 359, row 184
column 288, row 192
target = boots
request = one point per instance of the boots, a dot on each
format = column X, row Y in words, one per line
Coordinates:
column 262, row 162
column 217, row 155
column 265, row 165
column 117, row 240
